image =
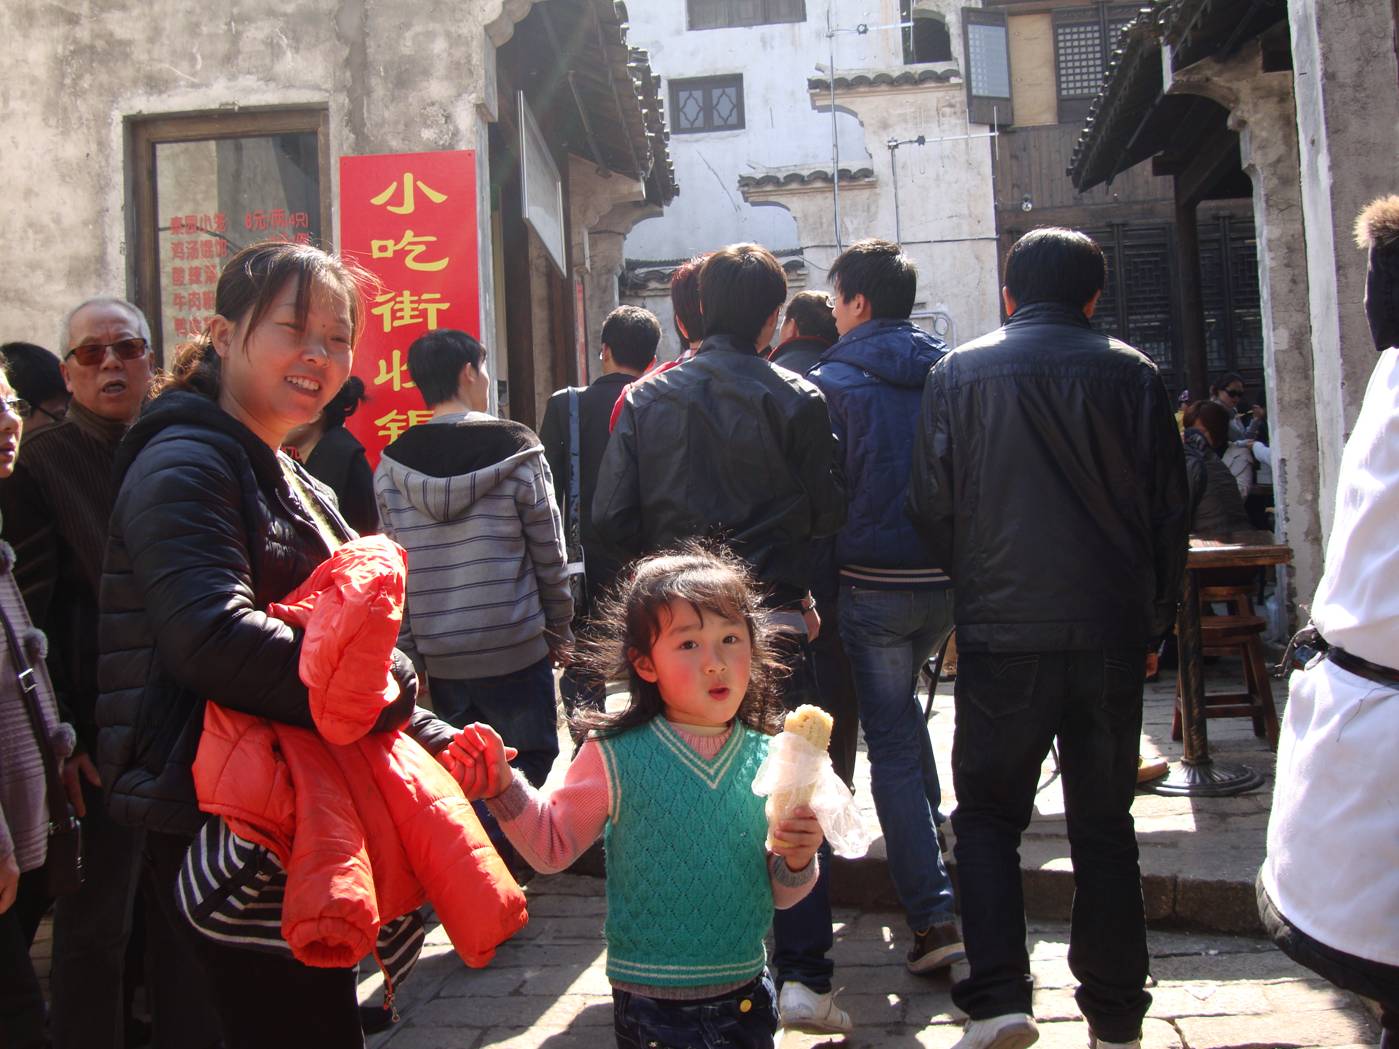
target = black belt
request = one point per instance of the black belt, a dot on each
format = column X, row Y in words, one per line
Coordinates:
column 1381, row 675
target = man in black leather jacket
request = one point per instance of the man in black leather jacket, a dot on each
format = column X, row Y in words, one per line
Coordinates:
column 1048, row 477
column 729, row 447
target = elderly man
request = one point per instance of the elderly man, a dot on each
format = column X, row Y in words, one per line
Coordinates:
column 55, row 509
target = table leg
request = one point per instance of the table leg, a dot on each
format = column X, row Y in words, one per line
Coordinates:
column 1196, row 775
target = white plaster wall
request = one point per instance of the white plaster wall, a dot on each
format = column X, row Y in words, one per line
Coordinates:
column 946, row 206
column 781, row 127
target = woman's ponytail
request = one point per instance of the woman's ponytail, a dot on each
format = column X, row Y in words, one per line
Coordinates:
column 196, row 369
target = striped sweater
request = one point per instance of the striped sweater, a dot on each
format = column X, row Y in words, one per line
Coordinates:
column 24, row 801
column 471, row 500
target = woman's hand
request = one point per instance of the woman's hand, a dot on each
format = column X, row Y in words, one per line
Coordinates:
column 479, row 760
column 9, row 882
column 72, row 772
column 797, row 838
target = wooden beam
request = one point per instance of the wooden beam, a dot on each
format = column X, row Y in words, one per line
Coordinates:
column 1192, row 306
column 1214, row 160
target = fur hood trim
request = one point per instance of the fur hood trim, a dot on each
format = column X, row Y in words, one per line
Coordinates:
column 1377, row 228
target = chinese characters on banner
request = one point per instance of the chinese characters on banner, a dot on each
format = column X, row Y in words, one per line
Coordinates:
column 410, row 219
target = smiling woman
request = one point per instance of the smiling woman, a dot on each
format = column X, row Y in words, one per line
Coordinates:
column 212, row 524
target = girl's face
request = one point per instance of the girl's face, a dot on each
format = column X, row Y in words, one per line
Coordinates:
column 700, row 663
column 280, row 374
column 11, row 427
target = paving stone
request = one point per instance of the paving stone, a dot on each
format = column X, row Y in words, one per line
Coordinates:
column 1278, row 1030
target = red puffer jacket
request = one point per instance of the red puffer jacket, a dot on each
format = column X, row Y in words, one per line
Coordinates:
column 369, row 827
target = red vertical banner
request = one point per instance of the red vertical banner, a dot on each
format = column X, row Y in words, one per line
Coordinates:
column 410, row 219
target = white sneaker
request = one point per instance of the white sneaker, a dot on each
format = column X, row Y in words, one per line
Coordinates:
column 1094, row 1042
column 802, row 1009
column 1011, row 1031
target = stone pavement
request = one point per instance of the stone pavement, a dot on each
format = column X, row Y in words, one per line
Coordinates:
column 547, row 989
column 1199, row 856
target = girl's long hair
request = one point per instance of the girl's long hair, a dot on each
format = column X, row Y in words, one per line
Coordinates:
column 629, row 619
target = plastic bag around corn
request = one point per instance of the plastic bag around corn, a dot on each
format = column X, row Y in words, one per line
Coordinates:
column 792, row 765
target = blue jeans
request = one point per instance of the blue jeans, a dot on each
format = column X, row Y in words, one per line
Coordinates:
column 742, row 1019
column 889, row 635
column 519, row 705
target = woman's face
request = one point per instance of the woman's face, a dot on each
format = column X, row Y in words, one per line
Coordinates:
column 11, row 427
column 280, row 374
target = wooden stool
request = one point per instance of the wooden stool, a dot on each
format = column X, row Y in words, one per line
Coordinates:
column 1239, row 634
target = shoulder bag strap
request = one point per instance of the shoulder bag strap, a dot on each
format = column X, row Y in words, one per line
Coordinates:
column 29, row 690
column 575, row 528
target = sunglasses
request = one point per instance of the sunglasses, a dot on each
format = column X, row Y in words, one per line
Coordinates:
column 17, row 406
column 1236, row 394
column 90, row 353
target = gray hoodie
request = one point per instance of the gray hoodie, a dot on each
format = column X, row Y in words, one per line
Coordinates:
column 471, row 500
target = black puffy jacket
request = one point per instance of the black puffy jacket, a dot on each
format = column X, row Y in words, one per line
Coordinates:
column 204, row 535
column 1048, row 479
column 724, row 446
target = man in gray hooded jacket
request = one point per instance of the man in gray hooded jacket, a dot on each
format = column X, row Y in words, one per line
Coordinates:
column 471, row 499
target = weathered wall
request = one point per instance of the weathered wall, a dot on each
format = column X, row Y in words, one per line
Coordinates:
column 379, row 66
column 1347, row 91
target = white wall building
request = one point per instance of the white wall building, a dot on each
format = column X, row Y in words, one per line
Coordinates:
column 749, row 110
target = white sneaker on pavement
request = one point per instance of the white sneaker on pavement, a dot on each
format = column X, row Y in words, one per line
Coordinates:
column 1010, row 1031
column 1094, row 1042
column 802, row 1009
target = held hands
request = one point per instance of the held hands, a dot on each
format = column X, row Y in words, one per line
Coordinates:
column 797, row 837
column 479, row 760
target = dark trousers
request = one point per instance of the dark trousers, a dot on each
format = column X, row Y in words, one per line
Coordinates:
column 90, row 933
column 836, row 684
column 802, row 935
column 520, row 705
column 742, row 1019
column 1010, row 707
column 260, row 1000
column 181, row 995
column 1374, row 980
column 21, row 999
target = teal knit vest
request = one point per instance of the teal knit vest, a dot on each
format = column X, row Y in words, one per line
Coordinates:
column 689, row 898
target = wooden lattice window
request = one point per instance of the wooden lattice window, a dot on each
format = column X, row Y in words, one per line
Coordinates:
column 706, row 104
column 721, row 14
column 1084, row 38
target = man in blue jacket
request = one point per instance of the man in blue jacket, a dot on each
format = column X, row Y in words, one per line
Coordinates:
column 895, row 603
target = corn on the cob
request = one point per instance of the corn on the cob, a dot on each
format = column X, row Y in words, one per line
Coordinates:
column 813, row 725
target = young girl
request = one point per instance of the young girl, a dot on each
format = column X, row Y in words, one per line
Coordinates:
column 668, row 783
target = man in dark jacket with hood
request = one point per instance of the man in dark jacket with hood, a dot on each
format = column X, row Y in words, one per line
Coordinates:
column 1048, row 479
column 895, row 602
column 471, row 500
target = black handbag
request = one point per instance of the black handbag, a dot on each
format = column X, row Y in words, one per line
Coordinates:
column 65, row 853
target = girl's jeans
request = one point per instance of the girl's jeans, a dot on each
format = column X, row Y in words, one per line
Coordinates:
column 742, row 1019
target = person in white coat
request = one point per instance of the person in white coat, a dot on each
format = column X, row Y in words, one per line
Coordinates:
column 1328, row 891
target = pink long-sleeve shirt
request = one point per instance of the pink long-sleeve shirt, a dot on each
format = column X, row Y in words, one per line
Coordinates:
column 552, row 830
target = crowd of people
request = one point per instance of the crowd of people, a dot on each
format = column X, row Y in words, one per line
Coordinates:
column 800, row 509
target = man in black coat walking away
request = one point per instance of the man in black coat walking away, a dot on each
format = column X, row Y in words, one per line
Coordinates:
column 1048, row 477
column 629, row 336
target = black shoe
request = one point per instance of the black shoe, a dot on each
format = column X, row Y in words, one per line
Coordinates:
column 935, row 948
column 375, row 1018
